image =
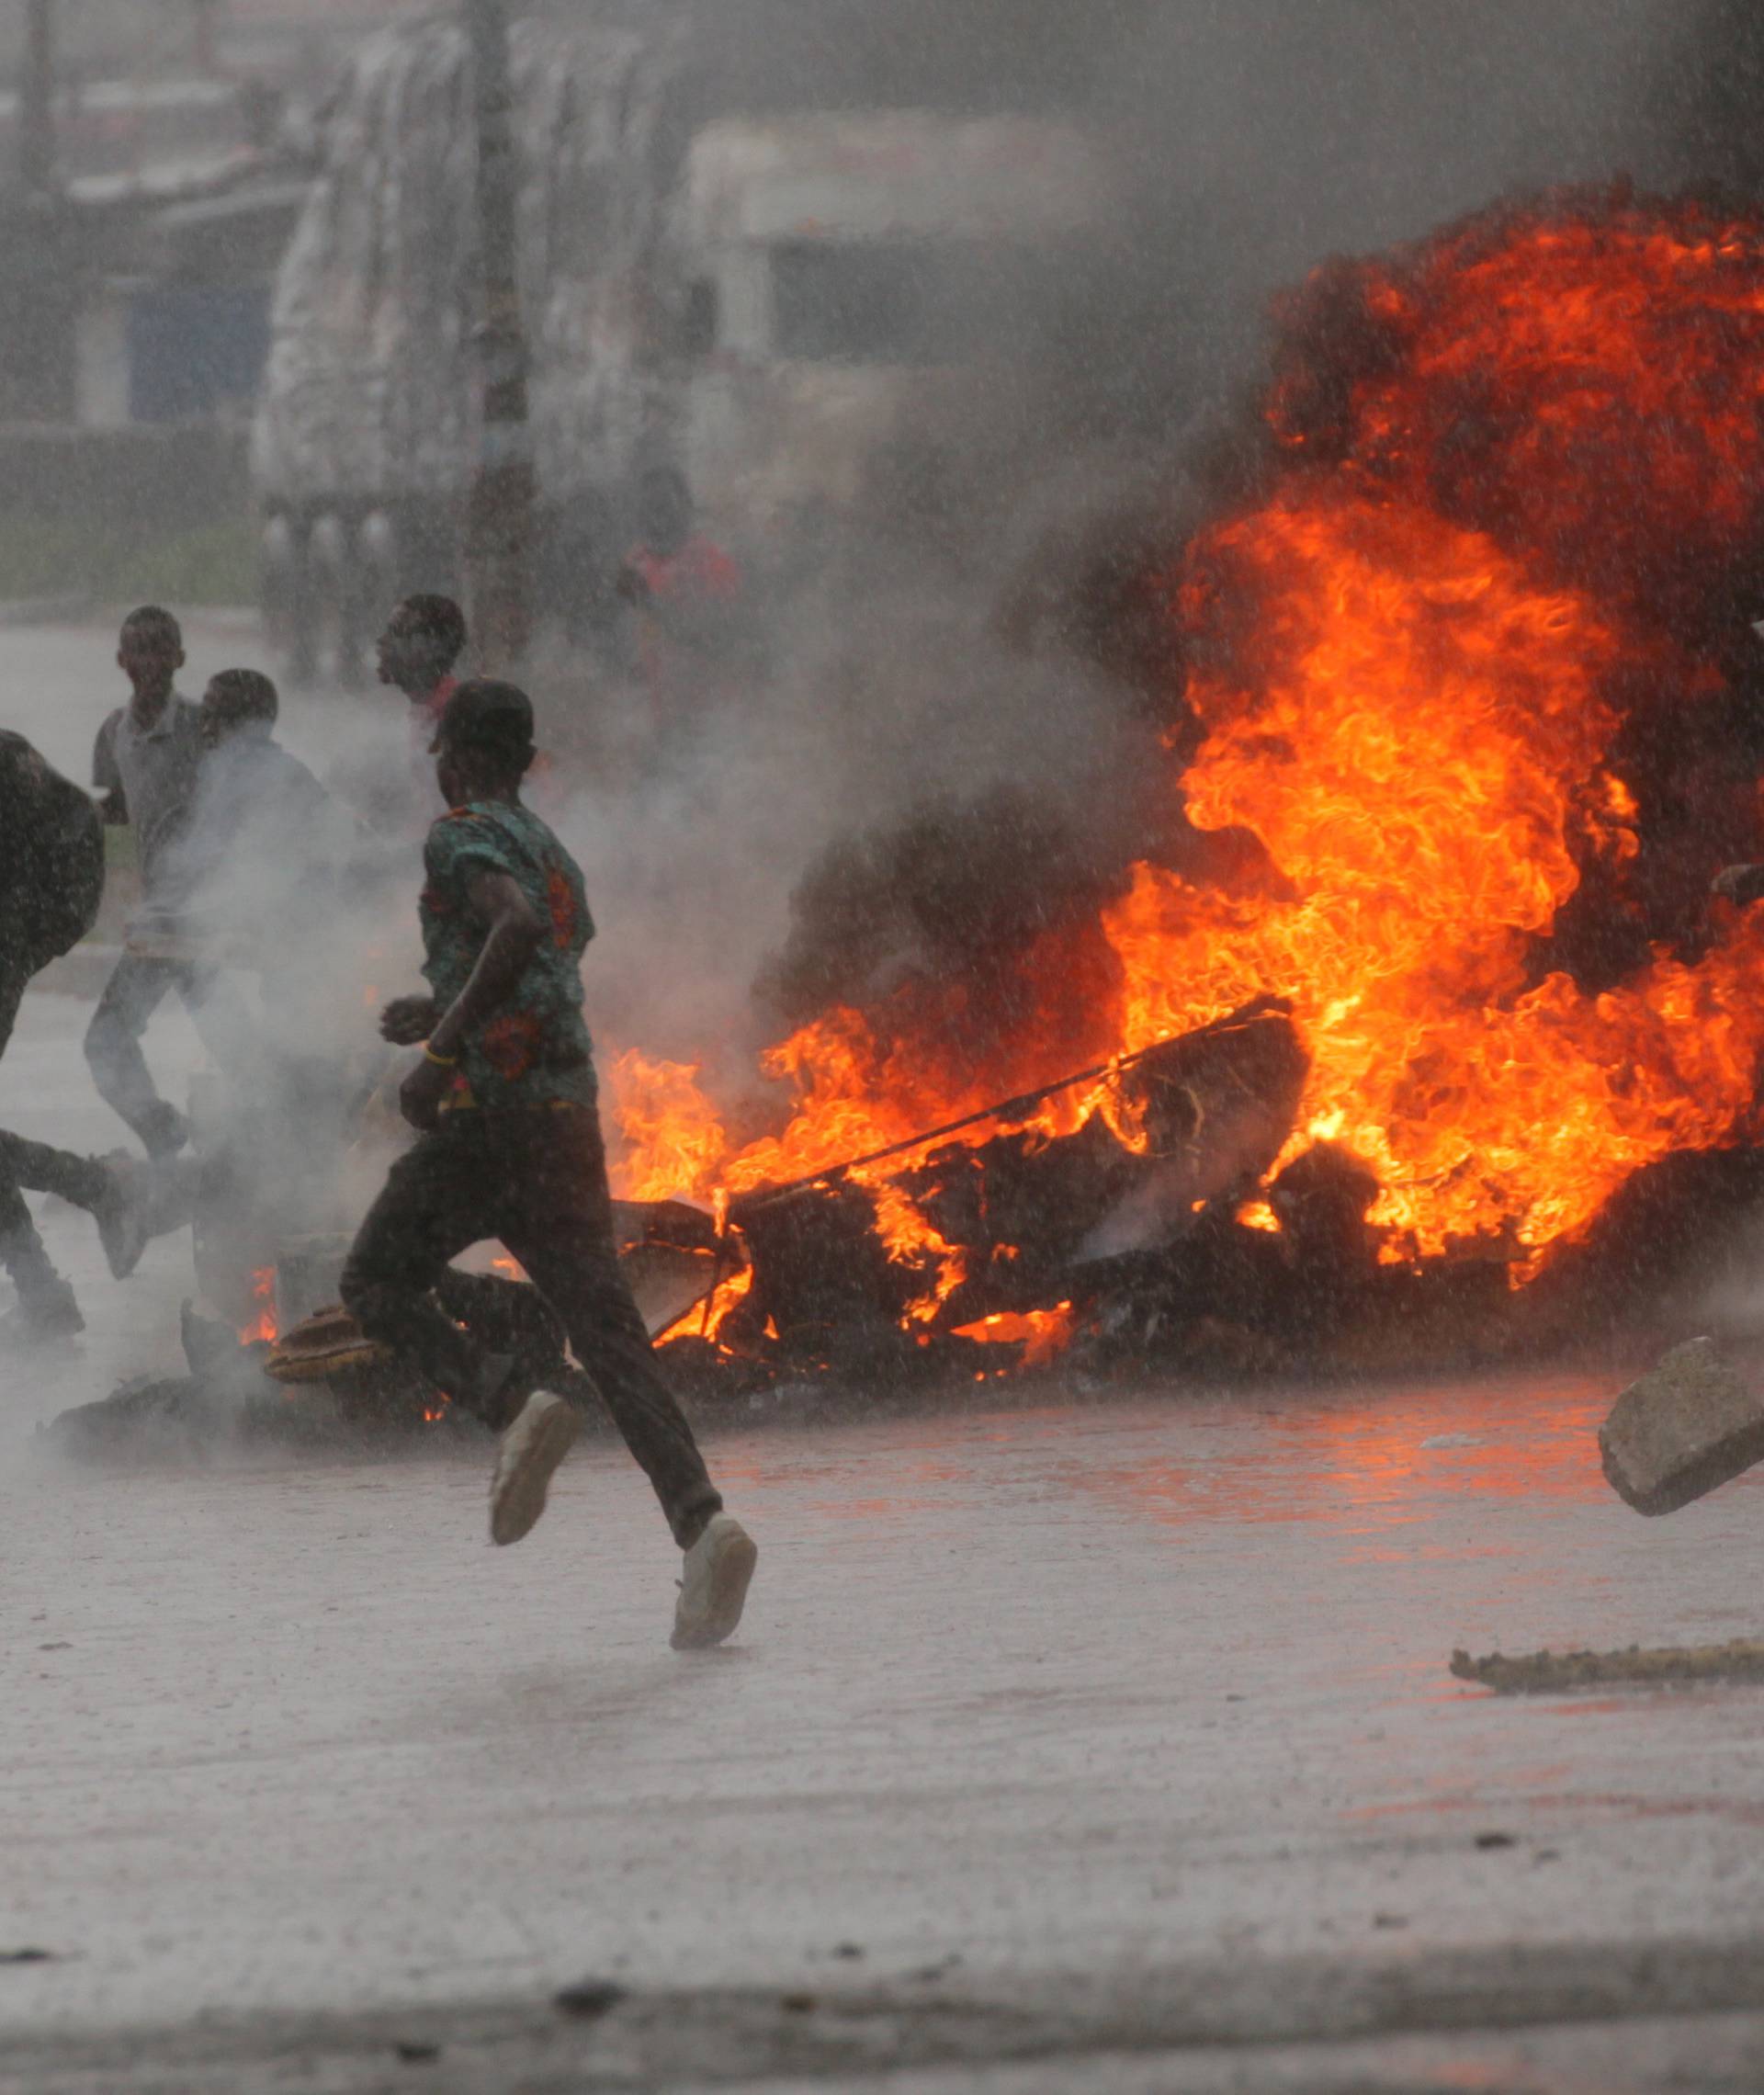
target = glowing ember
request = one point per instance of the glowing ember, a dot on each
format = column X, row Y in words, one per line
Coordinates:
column 262, row 1293
column 1041, row 1334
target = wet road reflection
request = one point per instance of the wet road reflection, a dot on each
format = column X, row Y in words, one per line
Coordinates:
column 1087, row 1684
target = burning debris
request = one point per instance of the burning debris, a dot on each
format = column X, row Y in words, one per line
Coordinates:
column 1456, row 690
column 1405, row 1028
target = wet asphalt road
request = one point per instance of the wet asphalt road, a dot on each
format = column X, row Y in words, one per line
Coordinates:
column 1090, row 1746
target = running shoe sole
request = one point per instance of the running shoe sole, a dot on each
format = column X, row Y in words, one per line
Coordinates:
column 733, row 1556
column 528, row 1465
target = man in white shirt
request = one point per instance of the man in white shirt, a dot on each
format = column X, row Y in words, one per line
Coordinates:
column 146, row 764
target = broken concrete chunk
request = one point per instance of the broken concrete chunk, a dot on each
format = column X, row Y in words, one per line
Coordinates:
column 1688, row 1425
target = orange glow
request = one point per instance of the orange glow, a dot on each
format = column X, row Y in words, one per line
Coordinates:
column 263, row 1292
column 1404, row 662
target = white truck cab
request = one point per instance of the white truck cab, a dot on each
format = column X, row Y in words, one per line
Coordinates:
column 851, row 278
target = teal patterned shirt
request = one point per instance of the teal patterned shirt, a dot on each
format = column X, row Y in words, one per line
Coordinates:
column 533, row 1049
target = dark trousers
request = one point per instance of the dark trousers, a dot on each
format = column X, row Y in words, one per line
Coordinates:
column 33, row 1167
column 137, row 988
column 536, row 1178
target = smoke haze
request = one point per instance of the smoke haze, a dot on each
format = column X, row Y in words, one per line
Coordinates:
column 930, row 668
column 1247, row 141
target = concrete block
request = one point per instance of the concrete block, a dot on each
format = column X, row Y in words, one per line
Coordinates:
column 1689, row 1424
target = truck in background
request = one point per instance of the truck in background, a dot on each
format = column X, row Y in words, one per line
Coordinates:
column 806, row 313
column 860, row 285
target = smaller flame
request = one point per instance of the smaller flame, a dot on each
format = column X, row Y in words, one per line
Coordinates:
column 263, row 1290
column 705, row 1319
column 1042, row 1333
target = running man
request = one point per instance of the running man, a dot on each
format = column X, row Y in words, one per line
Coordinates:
column 262, row 830
column 423, row 640
column 52, row 879
column 511, row 1149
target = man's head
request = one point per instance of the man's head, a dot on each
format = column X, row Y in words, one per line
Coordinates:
column 483, row 741
column 664, row 510
column 424, row 637
column 238, row 701
column 150, row 651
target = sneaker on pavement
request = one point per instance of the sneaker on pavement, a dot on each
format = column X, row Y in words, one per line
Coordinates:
column 124, row 1215
column 719, row 1566
column 541, row 1436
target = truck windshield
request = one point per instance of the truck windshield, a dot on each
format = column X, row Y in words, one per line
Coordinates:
column 924, row 302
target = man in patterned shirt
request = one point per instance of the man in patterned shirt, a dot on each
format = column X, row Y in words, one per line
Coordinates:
column 511, row 1148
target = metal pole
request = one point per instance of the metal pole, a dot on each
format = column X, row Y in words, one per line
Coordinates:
column 499, row 518
column 37, row 104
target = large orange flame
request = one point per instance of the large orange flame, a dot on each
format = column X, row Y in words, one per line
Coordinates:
column 1518, row 461
column 673, row 1138
column 1581, row 377
column 1414, row 733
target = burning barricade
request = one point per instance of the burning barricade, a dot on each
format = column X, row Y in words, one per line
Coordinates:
column 1457, row 709
column 1407, row 1030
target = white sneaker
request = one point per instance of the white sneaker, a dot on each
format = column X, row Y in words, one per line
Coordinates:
column 543, row 1431
column 718, row 1567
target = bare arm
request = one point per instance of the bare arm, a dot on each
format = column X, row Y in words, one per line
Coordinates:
column 107, row 780
column 516, row 932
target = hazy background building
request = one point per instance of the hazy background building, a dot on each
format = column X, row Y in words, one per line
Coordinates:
column 1251, row 137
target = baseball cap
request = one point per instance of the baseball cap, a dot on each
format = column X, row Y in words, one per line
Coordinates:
column 486, row 714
